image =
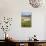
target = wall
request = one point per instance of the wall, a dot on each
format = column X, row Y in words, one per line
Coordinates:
column 13, row 8
column 45, row 28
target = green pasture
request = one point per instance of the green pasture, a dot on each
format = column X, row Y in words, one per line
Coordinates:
column 26, row 23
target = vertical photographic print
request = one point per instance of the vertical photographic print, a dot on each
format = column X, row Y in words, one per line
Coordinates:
column 26, row 19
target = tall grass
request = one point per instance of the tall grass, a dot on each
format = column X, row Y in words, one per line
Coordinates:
column 26, row 23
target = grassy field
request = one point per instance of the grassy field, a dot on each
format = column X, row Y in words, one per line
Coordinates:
column 26, row 23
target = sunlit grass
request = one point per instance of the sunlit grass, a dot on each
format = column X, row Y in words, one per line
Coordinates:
column 26, row 23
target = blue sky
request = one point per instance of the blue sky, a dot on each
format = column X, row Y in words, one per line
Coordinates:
column 26, row 13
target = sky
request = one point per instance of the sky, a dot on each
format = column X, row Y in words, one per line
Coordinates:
column 26, row 13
